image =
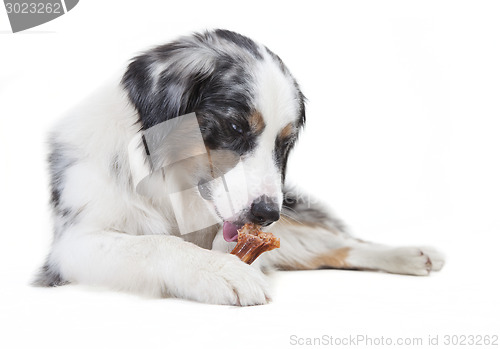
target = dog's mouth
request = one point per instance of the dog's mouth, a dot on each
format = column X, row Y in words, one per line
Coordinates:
column 230, row 231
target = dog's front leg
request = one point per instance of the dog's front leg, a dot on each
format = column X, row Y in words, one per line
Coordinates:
column 156, row 265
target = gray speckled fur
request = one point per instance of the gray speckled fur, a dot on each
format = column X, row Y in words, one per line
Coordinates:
column 48, row 277
column 305, row 209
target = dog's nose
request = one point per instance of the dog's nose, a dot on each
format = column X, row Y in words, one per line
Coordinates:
column 264, row 211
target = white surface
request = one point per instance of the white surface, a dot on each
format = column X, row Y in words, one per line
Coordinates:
column 402, row 140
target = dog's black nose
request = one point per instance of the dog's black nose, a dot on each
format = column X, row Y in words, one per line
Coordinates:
column 264, row 211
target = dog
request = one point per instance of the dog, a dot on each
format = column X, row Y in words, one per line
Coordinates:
column 152, row 176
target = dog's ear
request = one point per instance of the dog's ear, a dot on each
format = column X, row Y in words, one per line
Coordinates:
column 168, row 81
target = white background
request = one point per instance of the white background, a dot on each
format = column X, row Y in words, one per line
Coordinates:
column 402, row 139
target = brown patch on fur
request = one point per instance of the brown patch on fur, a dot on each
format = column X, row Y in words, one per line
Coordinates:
column 332, row 259
column 220, row 161
column 256, row 122
column 336, row 258
column 210, row 162
column 287, row 131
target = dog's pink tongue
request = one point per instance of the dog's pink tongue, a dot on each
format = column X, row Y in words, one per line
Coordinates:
column 230, row 232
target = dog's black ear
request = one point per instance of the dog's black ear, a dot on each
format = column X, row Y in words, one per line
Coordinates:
column 168, row 81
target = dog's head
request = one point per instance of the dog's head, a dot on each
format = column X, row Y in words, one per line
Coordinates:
column 249, row 110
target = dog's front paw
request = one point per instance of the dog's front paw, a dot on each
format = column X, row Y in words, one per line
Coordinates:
column 416, row 260
column 224, row 279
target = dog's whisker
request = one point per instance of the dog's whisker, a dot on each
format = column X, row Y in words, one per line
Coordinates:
column 288, row 217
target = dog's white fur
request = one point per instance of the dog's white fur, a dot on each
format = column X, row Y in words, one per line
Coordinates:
column 126, row 241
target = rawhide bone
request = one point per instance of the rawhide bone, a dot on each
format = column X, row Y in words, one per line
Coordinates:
column 252, row 243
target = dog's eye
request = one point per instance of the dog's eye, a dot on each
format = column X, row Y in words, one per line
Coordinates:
column 237, row 128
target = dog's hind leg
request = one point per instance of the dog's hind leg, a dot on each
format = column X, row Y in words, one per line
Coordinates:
column 312, row 239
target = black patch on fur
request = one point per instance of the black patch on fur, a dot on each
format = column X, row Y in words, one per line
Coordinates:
column 181, row 87
column 240, row 40
column 282, row 148
column 220, row 96
column 227, row 101
column 145, row 145
column 68, row 217
column 59, row 161
column 219, row 134
column 55, row 196
column 48, row 277
column 302, row 106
